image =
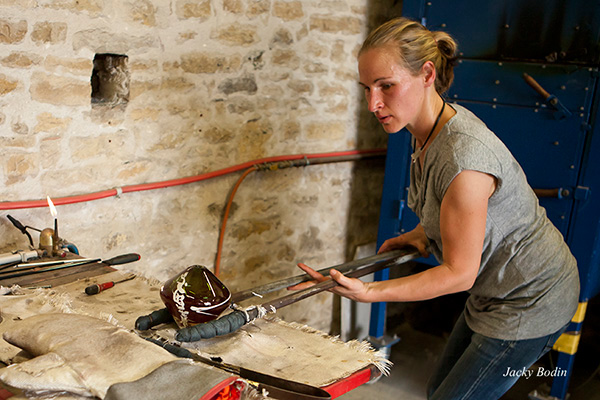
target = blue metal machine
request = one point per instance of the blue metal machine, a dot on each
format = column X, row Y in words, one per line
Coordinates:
column 530, row 71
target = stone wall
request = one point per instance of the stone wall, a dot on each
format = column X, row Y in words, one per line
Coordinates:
column 210, row 84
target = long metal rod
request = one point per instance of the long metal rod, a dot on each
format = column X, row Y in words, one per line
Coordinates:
column 364, row 269
column 39, row 270
column 343, row 268
column 231, row 322
column 122, row 259
column 17, row 271
column 278, row 388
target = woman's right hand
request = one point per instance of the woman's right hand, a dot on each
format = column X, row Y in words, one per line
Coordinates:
column 415, row 238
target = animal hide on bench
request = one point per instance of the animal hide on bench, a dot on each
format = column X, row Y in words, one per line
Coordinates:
column 78, row 354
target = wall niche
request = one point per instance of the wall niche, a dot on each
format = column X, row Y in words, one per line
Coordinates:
column 110, row 80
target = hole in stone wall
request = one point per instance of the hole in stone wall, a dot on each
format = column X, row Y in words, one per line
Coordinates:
column 110, row 79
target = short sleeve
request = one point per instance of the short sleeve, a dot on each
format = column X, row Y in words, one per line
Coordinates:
column 464, row 153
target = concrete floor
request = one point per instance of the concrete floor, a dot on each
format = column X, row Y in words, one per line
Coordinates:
column 415, row 356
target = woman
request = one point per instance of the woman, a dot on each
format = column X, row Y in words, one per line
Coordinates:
column 478, row 216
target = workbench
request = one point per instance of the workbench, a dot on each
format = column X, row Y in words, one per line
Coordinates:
column 348, row 365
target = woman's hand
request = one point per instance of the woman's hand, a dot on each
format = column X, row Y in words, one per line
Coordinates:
column 415, row 238
column 352, row 288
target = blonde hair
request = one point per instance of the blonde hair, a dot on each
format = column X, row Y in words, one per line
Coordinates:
column 416, row 45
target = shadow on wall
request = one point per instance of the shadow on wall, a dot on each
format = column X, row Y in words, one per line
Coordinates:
column 367, row 176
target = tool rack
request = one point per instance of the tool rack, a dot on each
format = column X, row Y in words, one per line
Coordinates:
column 556, row 140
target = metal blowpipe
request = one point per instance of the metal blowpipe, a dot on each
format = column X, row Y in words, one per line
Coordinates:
column 233, row 321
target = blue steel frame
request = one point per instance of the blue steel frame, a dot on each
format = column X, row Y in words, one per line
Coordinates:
column 575, row 164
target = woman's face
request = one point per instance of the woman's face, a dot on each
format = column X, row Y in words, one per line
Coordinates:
column 394, row 95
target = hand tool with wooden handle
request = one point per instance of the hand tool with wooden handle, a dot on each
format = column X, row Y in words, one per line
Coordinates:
column 562, row 111
column 98, row 287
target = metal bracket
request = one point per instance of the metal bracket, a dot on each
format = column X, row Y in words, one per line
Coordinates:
column 582, row 193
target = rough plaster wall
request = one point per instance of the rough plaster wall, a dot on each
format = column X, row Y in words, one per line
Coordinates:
column 213, row 84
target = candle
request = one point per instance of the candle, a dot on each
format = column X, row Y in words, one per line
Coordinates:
column 55, row 237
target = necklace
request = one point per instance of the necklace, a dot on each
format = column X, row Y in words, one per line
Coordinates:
column 418, row 152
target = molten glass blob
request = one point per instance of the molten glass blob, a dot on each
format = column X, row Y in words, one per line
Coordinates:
column 195, row 296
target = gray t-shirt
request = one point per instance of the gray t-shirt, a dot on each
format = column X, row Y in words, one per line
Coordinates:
column 528, row 282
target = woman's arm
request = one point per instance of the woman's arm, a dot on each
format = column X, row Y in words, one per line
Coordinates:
column 462, row 222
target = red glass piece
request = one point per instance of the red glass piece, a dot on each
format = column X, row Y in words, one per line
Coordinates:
column 195, row 296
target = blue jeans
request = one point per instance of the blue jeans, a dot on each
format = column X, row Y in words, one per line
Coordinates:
column 476, row 367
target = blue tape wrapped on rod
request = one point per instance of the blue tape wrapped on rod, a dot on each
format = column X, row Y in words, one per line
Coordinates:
column 226, row 324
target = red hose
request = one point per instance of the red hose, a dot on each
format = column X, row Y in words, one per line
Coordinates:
column 226, row 217
column 14, row 205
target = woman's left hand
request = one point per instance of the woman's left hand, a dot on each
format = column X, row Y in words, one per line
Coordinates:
column 352, row 288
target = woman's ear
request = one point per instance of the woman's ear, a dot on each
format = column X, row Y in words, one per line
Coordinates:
column 428, row 73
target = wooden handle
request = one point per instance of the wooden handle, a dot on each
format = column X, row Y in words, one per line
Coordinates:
column 536, row 86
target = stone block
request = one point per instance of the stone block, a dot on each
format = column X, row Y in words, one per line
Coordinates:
column 340, row 107
column 176, row 84
column 333, row 130
column 254, row 226
column 240, row 105
column 236, row 35
column 291, row 130
column 168, row 141
column 313, row 67
column 59, row 90
column 233, row 6
column 92, row 7
column 19, row 166
column 218, row 135
column 282, row 37
column 49, row 32
column 253, row 136
column 46, row 122
column 331, row 24
column 187, row 9
column 185, row 36
column 317, row 49
column 17, row 142
column 105, row 41
column 337, row 52
column 285, row 58
column 309, row 240
column 144, row 114
column 269, row 103
column 144, row 12
column 7, row 84
column 18, row 3
column 20, row 60
column 75, row 66
column 12, row 32
column 143, row 65
column 20, row 127
column 133, row 171
column 205, row 63
column 258, row 7
column 244, row 84
column 326, row 90
column 288, row 10
column 301, row 86
column 104, row 146
column 137, row 88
